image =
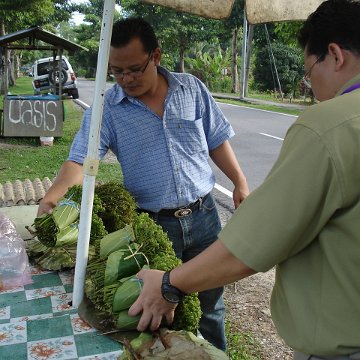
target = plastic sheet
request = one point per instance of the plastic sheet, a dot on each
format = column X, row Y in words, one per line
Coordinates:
column 14, row 262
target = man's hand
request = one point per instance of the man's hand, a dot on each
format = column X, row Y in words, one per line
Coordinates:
column 240, row 193
column 151, row 303
column 45, row 207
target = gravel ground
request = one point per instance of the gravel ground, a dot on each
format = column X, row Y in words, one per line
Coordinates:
column 248, row 305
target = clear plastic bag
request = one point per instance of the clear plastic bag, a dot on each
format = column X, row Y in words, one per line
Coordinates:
column 14, row 262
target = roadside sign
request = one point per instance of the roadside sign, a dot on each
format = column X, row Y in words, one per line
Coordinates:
column 33, row 116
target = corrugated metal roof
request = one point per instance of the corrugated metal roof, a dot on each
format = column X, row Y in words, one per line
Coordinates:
column 25, row 192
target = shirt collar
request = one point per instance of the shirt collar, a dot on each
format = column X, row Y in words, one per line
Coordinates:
column 351, row 82
column 174, row 82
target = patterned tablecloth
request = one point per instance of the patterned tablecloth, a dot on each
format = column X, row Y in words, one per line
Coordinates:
column 37, row 322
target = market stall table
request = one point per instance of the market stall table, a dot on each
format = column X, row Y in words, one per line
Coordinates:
column 38, row 322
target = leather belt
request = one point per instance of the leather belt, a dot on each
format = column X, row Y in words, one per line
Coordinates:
column 179, row 212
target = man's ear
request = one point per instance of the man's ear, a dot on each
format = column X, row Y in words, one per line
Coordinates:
column 157, row 56
column 335, row 51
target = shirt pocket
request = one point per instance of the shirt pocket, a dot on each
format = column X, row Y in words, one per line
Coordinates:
column 189, row 136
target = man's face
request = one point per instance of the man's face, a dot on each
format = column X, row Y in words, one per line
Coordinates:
column 134, row 69
column 320, row 71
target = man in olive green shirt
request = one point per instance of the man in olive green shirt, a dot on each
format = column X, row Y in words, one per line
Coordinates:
column 305, row 218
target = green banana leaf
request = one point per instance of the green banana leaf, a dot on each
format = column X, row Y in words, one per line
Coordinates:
column 65, row 213
column 122, row 263
column 126, row 294
column 123, row 321
column 116, row 240
column 68, row 235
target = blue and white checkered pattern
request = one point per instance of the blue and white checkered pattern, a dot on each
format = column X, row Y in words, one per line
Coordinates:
column 164, row 161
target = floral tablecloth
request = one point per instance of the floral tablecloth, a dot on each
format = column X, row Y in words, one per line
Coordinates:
column 37, row 322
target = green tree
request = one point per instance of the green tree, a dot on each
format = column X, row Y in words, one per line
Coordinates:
column 177, row 31
column 208, row 66
column 21, row 14
column 88, row 35
column 286, row 32
column 289, row 64
column 232, row 27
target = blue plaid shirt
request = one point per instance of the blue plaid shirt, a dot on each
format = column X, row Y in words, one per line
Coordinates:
column 164, row 161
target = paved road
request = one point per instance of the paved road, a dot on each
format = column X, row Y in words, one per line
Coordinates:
column 257, row 143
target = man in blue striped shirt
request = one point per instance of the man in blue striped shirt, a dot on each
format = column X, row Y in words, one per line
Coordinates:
column 162, row 127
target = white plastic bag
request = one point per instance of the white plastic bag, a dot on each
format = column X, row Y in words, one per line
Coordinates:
column 14, row 262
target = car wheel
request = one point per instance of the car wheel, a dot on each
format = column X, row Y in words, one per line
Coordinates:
column 75, row 93
column 56, row 76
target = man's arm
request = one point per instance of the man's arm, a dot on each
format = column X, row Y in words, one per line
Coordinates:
column 225, row 159
column 71, row 173
column 214, row 267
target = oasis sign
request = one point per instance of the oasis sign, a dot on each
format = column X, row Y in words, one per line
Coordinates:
column 33, row 116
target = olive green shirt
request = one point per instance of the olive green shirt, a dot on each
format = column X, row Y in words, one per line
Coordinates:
column 305, row 218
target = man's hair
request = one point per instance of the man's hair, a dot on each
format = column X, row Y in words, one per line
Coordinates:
column 333, row 21
column 128, row 29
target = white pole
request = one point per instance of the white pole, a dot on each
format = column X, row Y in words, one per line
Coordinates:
column 243, row 54
column 91, row 163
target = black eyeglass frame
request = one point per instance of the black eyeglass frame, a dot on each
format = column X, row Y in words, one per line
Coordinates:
column 307, row 75
column 134, row 74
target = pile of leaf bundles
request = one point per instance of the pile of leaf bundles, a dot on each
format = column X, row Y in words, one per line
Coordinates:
column 54, row 258
column 167, row 344
column 119, row 207
column 124, row 259
column 98, row 230
column 57, row 233
column 60, row 227
column 114, row 292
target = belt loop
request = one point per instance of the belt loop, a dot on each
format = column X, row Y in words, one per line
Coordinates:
column 200, row 202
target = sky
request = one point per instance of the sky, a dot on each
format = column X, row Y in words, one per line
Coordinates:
column 77, row 17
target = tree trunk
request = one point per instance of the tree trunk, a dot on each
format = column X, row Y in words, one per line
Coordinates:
column 234, row 69
column 3, row 77
column 12, row 67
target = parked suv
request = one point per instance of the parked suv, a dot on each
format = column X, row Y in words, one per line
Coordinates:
column 46, row 75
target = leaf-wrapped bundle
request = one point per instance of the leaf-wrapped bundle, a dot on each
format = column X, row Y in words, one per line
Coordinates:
column 126, row 294
column 54, row 258
column 48, row 226
column 122, row 263
column 115, row 241
column 124, row 321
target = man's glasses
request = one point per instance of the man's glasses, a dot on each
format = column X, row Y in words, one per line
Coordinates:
column 135, row 73
column 307, row 75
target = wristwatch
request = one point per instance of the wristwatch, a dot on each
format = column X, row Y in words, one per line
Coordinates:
column 170, row 293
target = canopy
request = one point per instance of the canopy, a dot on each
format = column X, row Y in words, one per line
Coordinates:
column 257, row 11
column 35, row 34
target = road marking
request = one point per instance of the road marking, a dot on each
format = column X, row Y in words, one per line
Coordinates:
column 82, row 104
column 272, row 136
column 251, row 108
column 223, row 190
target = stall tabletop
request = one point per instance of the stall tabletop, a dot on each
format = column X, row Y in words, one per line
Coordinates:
column 37, row 322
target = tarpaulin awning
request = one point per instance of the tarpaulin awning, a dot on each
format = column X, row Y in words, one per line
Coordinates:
column 257, row 11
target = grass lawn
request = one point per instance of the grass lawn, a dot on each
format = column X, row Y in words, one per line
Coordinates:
column 262, row 107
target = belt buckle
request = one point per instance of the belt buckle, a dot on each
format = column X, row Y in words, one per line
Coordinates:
column 182, row 213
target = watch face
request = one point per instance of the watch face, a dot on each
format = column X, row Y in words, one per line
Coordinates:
column 171, row 297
